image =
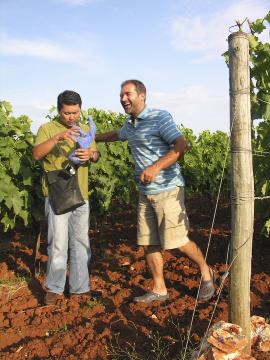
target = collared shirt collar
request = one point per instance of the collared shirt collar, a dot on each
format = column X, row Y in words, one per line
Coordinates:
column 142, row 115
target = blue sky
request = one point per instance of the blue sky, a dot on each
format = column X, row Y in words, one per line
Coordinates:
column 91, row 46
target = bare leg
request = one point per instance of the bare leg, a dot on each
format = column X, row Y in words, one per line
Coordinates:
column 154, row 261
column 195, row 254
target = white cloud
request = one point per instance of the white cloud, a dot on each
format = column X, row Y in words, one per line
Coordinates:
column 37, row 48
column 208, row 34
column 196, row 107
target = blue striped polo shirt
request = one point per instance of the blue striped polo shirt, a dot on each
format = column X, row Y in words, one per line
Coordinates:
column 150, row 136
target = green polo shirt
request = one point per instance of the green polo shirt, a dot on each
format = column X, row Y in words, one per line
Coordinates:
column 58, row 158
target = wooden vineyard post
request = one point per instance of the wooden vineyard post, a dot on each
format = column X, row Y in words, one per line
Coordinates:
column 242, row 183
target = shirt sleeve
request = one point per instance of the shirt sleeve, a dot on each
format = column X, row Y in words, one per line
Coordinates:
column 122, row 133
column 41, row 136
column 168, row 130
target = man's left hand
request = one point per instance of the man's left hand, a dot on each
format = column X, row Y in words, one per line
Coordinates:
column 87, row 154
column 149, row 174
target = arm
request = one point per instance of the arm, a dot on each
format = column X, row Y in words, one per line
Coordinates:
column 150, row 173
column 107, row 137
column 43, row 149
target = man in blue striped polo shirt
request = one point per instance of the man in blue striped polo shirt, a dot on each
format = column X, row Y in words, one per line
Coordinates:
column 156, row 144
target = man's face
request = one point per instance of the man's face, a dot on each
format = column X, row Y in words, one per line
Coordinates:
column 70, row 114
column 132, row 102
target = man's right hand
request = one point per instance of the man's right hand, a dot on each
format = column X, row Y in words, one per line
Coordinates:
column 69, row 134
column 41, row 150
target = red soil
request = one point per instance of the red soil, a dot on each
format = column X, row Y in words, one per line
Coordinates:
column 91, row 329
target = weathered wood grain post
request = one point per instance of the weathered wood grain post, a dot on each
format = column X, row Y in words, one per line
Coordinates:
column 242, row 183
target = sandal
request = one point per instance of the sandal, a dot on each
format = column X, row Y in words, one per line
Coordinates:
column 207, row 289
column 148, row 297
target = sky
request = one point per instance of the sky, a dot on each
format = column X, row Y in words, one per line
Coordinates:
column 91, row 46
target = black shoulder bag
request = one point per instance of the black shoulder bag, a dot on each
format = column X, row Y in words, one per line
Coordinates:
column 64, row 191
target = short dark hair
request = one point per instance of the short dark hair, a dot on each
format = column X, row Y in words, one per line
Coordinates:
column 140, row 87
column 68, row 97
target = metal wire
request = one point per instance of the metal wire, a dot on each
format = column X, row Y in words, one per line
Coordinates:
column 236, row 200
column 266, row 102
column 240, row 91
column 210, row 235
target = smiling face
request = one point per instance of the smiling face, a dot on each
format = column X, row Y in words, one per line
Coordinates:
column 70, row 114
column 132, row 101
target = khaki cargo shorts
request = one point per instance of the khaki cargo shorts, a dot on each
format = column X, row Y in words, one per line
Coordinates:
column 162, row 219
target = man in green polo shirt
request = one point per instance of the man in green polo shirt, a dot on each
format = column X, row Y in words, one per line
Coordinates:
column 55, row 141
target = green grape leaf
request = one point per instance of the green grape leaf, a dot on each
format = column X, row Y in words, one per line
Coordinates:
column 258, row 26
column 14, row 163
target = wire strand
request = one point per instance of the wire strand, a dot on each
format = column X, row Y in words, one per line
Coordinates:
column 211, row 230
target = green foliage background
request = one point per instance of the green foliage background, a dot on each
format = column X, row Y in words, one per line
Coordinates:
column 260, row 110
column 111, row 179
column 207, row 164
column 20, row 193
